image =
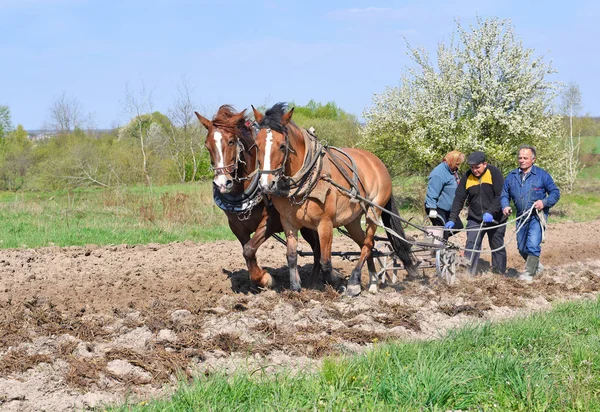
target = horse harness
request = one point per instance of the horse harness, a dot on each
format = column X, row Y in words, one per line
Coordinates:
column 242, row 203
column 232, row 168
column 305, row 180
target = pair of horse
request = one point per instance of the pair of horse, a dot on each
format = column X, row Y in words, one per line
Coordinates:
column 312, row 189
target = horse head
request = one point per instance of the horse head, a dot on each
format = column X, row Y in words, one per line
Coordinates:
column 228, row 137
column 274, row 147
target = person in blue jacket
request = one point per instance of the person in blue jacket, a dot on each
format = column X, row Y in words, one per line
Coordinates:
column 442, row 183
column 529, row 186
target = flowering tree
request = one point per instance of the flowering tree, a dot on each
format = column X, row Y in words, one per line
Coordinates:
column 487, row 93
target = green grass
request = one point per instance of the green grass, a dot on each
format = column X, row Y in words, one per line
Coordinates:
column 127, row 215
column 583, row 203
column 548, row 361
column 590, row 145
column 135, row 215
column 162, row 214
column 590, row 160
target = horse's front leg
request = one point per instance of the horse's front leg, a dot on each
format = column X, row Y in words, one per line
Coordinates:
column 291, row 235
column 258, row 276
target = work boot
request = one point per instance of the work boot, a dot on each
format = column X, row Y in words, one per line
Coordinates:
column 531, row 266
column 540, row 268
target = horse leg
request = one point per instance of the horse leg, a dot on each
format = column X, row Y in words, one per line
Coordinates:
column 325, row 230
column 291, row 235
column 373, row 278
column 365, row 241
column 259, row 277
column 312, row 237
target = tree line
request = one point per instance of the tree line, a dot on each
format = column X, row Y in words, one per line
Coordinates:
column 153, row 148
column 483, row 91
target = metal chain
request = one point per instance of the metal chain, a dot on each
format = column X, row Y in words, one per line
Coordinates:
column 246, row 214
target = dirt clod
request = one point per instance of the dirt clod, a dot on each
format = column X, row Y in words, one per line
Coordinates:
column 84, row 325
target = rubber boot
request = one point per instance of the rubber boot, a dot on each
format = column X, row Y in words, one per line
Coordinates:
column 540, row 268
column 530, row 268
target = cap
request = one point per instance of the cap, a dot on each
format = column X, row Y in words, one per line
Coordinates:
column 476, row 158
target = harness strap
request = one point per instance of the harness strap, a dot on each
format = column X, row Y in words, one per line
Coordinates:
column 305, row 180
column 241, row 203
column 353, row 180
column 312, row 154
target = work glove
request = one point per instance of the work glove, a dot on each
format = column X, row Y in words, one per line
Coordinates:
column 449, row 225
column 487, row 218
column 433, row 214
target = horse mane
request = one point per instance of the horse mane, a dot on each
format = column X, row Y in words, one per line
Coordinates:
column 272, row 118
column 225, row 120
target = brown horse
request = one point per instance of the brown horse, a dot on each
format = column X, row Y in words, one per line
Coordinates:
column 316, row 188
column 235, row 189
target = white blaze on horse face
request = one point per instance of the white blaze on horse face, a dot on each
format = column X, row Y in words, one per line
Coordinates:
column 219, row 180
column 264, row 179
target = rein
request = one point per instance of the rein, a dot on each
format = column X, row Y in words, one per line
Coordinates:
column 354, row 181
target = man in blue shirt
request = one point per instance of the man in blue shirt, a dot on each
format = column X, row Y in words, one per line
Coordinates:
column 529, row 186
column 443, row 181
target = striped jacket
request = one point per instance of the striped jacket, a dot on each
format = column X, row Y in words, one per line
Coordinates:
column 481, row 193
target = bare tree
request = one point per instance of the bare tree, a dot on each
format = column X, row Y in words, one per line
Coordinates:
column 5, row 120
column 137, row 106
column 571, row 106
column 185, row 134
column 66, row 114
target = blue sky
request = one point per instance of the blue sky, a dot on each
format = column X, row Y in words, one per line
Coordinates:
column 256, row 52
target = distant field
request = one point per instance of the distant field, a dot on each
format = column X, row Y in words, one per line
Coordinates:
column 590, row 145
column 162, row 214
column 126, row 215
column 590, row 159
column 132, row 215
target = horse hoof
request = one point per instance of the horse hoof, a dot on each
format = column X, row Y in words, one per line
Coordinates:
column 267, row 281
column 335, row 282
column 353, row 290
column 373, row 289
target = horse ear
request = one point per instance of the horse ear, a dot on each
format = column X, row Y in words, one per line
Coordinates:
column 258, row 116
column 205, row 122
column 240, row 115
column 285, row 119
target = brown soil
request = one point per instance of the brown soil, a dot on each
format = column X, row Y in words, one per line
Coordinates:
column 84, row 326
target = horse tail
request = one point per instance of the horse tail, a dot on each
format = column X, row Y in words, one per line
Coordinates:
column 400, row 246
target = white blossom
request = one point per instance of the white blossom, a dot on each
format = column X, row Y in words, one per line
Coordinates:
column 487, row 93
